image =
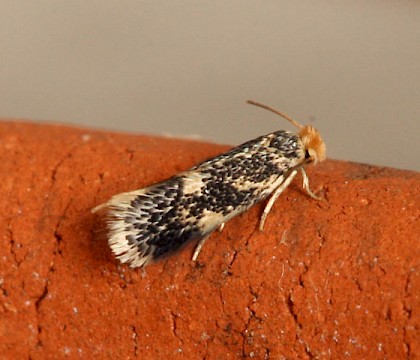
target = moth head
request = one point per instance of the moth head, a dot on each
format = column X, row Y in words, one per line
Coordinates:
column 313, row 144
column 311, row 139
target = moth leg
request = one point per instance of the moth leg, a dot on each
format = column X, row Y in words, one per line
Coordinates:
column 306, row 185
column 275, row 196
column 199, row 246
column 203, row 240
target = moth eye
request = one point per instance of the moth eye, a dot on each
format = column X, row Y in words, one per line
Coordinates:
column 310, row 156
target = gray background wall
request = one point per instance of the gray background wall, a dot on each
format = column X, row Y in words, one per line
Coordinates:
column 185, row 68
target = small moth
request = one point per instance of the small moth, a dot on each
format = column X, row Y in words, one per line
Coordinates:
column 146, row 224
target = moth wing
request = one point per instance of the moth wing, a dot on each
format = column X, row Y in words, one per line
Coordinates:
column 147, row 224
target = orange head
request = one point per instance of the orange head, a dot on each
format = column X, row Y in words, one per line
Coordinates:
column 311, row 139
column 313, row 143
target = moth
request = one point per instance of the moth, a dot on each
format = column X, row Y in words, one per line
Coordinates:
column 147, row 224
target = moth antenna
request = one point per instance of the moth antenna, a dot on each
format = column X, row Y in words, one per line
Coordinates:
column 282, row 114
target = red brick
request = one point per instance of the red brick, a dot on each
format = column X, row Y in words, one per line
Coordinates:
column 326, row 279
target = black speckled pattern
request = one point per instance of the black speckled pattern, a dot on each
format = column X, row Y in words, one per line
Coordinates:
column 167, row 216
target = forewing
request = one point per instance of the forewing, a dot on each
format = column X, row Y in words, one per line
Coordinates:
column 147, row 224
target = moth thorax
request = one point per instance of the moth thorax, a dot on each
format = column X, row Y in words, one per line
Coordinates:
column 313, row 144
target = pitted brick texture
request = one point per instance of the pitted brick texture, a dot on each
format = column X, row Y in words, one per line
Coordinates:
column 330, row 279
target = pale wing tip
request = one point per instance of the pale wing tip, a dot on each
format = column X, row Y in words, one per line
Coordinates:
column 120, row 201
column 98, row 208
column 128, row 253
column 124, row 247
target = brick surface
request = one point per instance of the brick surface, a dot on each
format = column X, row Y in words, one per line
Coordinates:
column 337, row 278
